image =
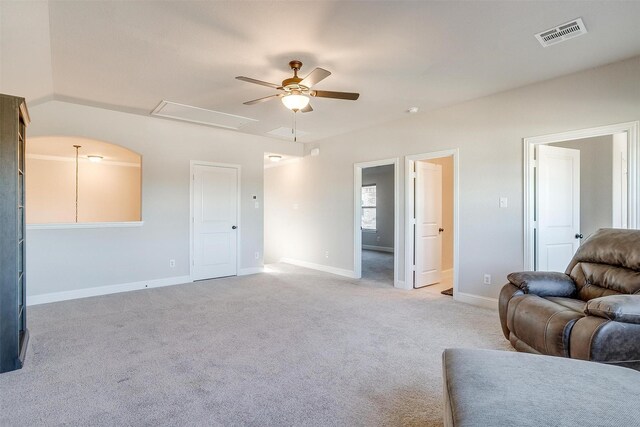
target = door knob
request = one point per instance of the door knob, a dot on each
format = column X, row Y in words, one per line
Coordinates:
column 440, row 230
column 578, row 236
column 233, row 227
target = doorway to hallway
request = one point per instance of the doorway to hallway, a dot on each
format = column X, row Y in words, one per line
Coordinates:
column 431, row 218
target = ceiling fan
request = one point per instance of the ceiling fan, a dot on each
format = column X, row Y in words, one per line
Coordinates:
column 295, row 91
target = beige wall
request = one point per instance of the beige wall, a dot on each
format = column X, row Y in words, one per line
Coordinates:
column 106, row 193
column 488, row 132
column 447, row 209
column 50, row 191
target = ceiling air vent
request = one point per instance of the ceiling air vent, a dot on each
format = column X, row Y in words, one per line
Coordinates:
column 188, row 113
column 562, row 33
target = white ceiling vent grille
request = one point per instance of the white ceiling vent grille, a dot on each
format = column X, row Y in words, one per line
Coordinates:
column 188, row 113
column 562, row 33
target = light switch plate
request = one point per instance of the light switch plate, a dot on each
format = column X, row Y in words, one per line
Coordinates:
column 503, row 202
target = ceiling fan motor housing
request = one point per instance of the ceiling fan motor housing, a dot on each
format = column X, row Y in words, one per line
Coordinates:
column 292, row 84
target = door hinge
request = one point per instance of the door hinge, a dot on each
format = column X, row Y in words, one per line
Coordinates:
column 413, row 175
column 413, row 221
column 413, row 268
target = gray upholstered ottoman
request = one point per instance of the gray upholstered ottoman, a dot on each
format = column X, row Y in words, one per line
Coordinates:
column 500, row 388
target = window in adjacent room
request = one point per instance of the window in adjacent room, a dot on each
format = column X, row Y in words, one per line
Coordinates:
column 100, row 183
column 369, row 207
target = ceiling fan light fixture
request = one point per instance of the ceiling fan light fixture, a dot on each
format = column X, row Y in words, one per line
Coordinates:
column 94, row 158
column 295, row 102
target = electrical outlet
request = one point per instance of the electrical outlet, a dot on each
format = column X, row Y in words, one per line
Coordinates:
column 326, row 254
column 377, row 238
column 487, row 279
column 172, row 263
column 257, row 255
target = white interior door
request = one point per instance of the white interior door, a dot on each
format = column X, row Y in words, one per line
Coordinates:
column 428, row 240
column 215, row 219
column 558, row 206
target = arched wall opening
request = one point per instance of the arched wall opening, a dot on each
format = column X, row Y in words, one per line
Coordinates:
column 80, row 180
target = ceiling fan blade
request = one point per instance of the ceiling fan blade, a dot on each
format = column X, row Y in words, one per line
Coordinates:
column 314, row 77
column 337, row 95
column 259, row 100
column 258, row 82
column 307, row 109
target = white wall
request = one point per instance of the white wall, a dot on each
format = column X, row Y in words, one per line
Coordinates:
column 488, row 132
column 596, row 181
column 71, row 259
column 382, row 177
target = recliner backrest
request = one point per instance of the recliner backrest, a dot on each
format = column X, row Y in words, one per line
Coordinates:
column 607, row 263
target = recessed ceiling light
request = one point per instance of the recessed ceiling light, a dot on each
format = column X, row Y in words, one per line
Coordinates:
column 95, row 159
column 275, row 158
column 413, row 110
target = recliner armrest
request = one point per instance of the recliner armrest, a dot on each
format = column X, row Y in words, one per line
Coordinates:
column 621, row 308
column 544, row 283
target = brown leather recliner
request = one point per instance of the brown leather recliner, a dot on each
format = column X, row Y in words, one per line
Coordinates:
column 590, row 312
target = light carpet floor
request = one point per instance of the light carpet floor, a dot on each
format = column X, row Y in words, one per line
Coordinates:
column 289, row 347
column 377, row 266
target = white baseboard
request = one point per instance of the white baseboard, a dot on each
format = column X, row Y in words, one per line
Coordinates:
column 320, row 267
column 476, row 300
column 251, row 270
column 105, row 290
column 378, row 248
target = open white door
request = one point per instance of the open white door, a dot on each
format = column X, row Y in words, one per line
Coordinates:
column 558, row 206
column 215, row 219
column 428, row 241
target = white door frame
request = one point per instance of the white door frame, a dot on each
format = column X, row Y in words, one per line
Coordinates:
column 409, row 208
column 633, row 159
column 357, row 214
column 238, row 212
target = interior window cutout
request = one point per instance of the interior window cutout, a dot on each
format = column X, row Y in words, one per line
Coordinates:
column 79, row 180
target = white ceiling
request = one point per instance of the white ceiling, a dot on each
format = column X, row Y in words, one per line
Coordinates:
column 131, row 55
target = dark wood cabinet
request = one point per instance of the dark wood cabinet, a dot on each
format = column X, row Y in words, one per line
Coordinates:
column 14, row 335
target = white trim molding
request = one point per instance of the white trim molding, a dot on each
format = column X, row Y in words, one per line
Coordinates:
column 105, row 290
column 320, row 267
column 409, row 170
column 633, row 184
column 72, row 225
column 357, row 214
column 250, row 270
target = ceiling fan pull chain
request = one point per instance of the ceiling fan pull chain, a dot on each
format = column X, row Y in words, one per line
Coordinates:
column 295, row 128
